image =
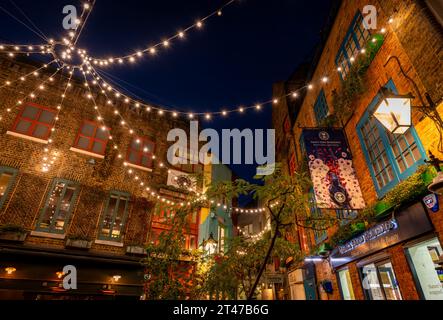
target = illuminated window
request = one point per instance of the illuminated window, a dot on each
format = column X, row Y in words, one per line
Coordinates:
column 92, row 138
column 114, row 216
column 345, row 284
column 7, row 176
column 140, row 152
column 59, row 203
column 35, row 121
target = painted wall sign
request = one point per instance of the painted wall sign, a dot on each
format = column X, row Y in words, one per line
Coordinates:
column 407, row 224
column 332, row 170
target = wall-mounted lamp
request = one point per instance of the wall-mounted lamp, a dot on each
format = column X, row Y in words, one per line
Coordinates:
column 10, row 270
column 117, row 277
column 394, row 111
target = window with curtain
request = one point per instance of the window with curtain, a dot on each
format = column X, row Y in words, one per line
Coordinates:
column 114, row 216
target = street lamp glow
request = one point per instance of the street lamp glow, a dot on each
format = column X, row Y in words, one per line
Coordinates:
column 394, row 112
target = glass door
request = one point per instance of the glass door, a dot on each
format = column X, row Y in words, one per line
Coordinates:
column 379, row 282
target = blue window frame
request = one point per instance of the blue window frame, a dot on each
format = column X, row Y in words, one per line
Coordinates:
column 114, row 217
column 356, row 38
column 55, row 215
column 391, row 158
column 7, row 178
column 321, row 108
column 316, row 212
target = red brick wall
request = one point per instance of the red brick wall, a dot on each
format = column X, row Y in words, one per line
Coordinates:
column 24, row 202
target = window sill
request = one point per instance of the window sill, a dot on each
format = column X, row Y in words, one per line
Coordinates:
column 134, row 166
column 24, row 136
column 47, row 235
column 109, row 243
column 87, row 153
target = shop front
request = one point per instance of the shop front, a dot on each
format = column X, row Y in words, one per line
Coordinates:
column 397, row 259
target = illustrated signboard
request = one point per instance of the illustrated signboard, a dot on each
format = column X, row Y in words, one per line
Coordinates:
column 332, row 172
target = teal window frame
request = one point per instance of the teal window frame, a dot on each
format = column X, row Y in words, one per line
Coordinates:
column 321, row 107
column 120, row 195
column 351, row 38
column 13, row 172
column 398, row 176
column 316, row 212
column 52, row 229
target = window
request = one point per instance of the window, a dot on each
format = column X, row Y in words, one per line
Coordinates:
column 356, row 38
column 35, row 121
column 321, row 108
column 140, row 152
column 345, row 284
column 379, row 282
column 391, row 158
column 424, row 259
column 55, row 215
column 92, row 138
column 190, row 242
column 7, row 177
column 248, row 230
column 114, row 216
column 316, row 212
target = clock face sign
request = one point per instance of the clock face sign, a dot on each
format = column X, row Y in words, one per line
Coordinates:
column 340, row 197
column 324, row 136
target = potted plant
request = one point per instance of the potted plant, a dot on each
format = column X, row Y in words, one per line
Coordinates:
column 79, row 242
column 11, row 232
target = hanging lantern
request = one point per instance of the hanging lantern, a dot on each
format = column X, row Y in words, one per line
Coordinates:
column 394, row 111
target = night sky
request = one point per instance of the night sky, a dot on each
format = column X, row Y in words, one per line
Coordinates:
column 232, row 61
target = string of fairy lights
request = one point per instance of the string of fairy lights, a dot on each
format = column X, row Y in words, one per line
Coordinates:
column 165, row 43
column 64, row 52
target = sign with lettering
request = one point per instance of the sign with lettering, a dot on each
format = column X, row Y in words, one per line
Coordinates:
column 332, row 171
column 406, row 224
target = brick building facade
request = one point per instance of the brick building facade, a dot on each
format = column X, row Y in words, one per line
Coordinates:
column 96, row 187
column 411, row 32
